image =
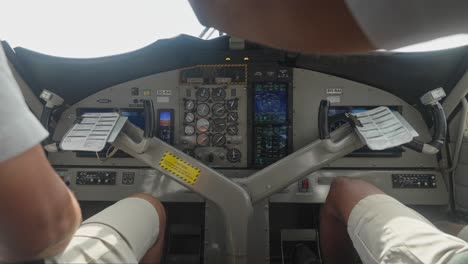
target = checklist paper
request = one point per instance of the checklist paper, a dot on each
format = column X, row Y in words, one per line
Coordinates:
column 91, row 133
column 380, row 128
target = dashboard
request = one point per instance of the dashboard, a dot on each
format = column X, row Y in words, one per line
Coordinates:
column 239, row 118
column 238, row 111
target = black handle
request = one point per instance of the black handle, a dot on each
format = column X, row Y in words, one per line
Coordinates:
column 148, row 110
column 324, row 132
column 45, row 121
column 440, row 130
column 440, row 126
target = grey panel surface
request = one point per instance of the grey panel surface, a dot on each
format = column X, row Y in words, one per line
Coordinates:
column 460, row 180
column 258, row 236
column 320, row 185
column 165, row 189
column 146, row 181
column 310, row 87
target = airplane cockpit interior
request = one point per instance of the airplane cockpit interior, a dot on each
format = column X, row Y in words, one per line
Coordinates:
column 241, row 141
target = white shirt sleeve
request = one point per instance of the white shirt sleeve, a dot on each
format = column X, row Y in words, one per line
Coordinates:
column 391, row 24
column 20, row 130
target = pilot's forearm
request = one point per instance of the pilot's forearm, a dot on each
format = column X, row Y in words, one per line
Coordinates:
column 46, row 243
column 300, row 25
column 70, row 225
column 39, row 213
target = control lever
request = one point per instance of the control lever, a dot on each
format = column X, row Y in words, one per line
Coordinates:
column 431, row 99
column 148, row 110
column 52, row 101
column 324, row 132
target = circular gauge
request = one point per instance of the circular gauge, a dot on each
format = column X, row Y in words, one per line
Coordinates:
column 203, row 94
column 218, row 109
column 189, row 117
column 203, row 139
column 203, row 125
column 232, row 104
column 189, row 130
column 233, row 155
column 232, row 117
column 219, row 125
column 189, row 152
column 218, row 94
column 203, row 110
column 232, row 130
column 189, row 105
column 218, row 140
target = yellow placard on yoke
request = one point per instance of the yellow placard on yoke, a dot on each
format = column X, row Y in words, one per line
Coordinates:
column 180, row 168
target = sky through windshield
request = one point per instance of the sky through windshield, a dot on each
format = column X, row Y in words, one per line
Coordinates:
column 94, row 28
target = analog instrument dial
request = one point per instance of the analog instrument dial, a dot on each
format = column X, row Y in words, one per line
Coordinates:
column 189, row 105
column 203, row 125
column 203, row 110
column 218, row 109
column 218, row 94
column 189, row 130
column 233, row 155
column 232, row 130
column 232, row 104
column 219, row 125
column 218, row 140
column 232, row 117
column 203, row 139
column 189, row 117
column 202, row 94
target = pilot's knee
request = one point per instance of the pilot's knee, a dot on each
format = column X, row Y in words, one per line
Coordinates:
column 340, row 183
column 158, row 206
column 343, row 188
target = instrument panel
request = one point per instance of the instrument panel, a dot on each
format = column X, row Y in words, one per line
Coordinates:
column 239, row 116
column 213, row 118
column 237, row 120
column 271, row 122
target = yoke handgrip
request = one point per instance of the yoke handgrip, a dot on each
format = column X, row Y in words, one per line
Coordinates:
column 440, row 133
column 324, row 132
column 148, row 110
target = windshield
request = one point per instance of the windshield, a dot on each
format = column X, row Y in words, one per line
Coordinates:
column 95, row 28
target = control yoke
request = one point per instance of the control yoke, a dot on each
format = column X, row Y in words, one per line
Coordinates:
column 235, row 200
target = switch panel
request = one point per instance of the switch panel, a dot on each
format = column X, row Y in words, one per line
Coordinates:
column 128, row 178
column 414, row 181
column 96, row 177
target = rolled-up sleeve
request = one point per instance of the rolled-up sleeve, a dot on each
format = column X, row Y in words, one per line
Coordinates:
column 399, row 23
column 20, row 130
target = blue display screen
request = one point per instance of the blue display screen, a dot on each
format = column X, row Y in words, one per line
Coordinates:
column 137, row 117
column 165, row 118
column 271, row 102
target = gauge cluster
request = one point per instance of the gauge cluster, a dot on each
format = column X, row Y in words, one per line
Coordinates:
column 214, row 118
